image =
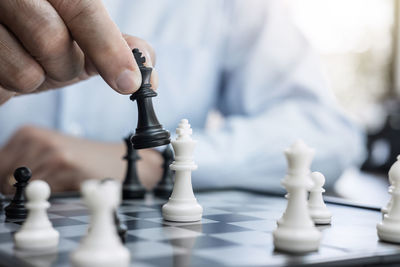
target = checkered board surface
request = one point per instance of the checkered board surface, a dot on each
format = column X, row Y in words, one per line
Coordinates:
column 236, row 230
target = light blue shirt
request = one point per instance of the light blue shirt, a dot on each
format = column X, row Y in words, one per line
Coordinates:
column 243, row 58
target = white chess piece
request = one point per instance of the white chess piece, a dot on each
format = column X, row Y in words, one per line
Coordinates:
column 280, row 220
column 37, row 232
column 318, row 210
column 386, row 209
column 308, row 171
column 389, row 228
column 296, row 232
column 182, row 206
column 101, row 247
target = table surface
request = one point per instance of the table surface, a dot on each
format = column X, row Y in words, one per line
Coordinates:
column 236, row 230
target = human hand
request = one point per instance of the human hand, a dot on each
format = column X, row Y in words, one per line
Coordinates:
column 54, row 43
column 65, row 161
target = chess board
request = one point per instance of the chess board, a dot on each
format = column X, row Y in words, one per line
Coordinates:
column 236, row 230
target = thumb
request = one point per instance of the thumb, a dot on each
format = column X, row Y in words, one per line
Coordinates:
column 101, row 41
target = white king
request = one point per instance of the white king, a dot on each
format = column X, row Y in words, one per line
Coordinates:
column 182, row 205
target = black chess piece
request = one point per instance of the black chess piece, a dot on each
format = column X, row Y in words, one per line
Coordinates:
column 149, row 132
column 16, row 209
column 386, row 137
column 2, row 200
column 132, row 188
column 121, row 227
column 165, row 186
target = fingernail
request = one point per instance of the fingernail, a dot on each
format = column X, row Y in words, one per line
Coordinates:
column 128, row 82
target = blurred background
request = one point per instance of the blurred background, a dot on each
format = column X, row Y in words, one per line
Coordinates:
column 358, row 41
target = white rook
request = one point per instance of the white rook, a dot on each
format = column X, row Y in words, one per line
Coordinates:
column 101, row 247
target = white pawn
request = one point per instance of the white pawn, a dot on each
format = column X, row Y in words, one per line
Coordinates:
column 101, row 247
column 37, row 232
column 316, row 205
column 182, row 206
column 389, row 228
column 296, row 231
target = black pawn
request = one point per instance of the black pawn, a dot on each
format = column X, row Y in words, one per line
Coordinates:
column 165, row 186
column 149, row 132
column 132, row 188
column 121, row 227
column 16, row 209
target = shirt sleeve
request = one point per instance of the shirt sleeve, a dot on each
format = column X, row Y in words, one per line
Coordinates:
column 272, row 93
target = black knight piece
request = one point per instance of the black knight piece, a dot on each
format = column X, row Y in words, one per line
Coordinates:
column 149, row 132
column 131, row 188
column 16, row 209
column 165, row 186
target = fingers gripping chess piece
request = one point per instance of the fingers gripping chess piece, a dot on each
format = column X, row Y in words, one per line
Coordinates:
column 296, row 231
column 16, row 209
column 149, row 132
column 101, row 247
column 318, row 210
column 37, row 232
column 182, row 206
column 389, row 228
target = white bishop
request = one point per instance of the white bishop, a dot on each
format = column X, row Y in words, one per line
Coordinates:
column 296, row 231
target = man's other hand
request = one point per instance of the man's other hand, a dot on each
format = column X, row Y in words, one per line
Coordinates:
column 65, row 161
